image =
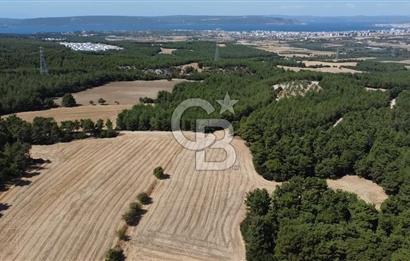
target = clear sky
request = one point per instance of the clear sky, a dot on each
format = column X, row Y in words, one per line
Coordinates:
column 52, row 8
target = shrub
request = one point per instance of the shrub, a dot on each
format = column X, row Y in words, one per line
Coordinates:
column 144, row 198
column 122, row 233
column 146, row 100
column 101, row 101
column 159, row 173
column 115, row 254
column 133, row 215
column 68, row 100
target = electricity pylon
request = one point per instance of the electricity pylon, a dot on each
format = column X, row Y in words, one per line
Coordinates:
column 43, row 64
column 216, row 51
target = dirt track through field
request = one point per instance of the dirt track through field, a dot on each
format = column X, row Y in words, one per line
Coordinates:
column 73, row 208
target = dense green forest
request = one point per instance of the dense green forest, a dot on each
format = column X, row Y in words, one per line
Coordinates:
column 23, row 88
column 304, row 220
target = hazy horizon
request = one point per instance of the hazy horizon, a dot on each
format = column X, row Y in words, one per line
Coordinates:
column 62, row 8
column 205, row 15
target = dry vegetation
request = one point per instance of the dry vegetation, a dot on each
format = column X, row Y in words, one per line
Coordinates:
column 72, row 210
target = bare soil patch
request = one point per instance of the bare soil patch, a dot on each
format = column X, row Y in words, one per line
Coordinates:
column 283, row 49
column 124, row 92
column 324, row 69
column 331, row 64
column 402, row 62
column 365, row 189
column 167, row 50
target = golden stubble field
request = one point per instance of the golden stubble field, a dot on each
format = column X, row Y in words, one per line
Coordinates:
column 126, row 94
column 73, row 208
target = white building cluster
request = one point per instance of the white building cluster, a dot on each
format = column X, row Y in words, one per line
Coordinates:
column 278, row 35
column 90, row 47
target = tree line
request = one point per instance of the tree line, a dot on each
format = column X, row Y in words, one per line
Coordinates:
column 17, row 136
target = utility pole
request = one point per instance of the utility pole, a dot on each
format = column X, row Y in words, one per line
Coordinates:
column 337, row 53
column 216, row 51
column 43, row 64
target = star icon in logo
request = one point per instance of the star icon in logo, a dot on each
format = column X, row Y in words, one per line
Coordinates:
column 227, row 104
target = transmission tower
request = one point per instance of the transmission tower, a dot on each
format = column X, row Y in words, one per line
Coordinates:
column 43, row 64
column 216, row 51
column 337, row 54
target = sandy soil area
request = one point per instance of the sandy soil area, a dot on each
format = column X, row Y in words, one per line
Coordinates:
column 167, row 50
column 285, row 50
column 325, row 69
column 77, row 113
column 124, row 92
column 367, row 190
column 402, row 61
column 332, row 64
column 73, row 208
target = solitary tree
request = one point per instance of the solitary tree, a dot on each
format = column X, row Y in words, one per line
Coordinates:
column 115, row 254
column 159, row 173
column 68, row 100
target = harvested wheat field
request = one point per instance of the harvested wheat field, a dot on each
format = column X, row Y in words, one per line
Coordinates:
column 125, row 93
column 365, row 189
column 72, row 209
column 77, row 113
column 283, row 49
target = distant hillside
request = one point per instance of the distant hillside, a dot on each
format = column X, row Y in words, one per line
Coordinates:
column 108, row 23
column 228, row 23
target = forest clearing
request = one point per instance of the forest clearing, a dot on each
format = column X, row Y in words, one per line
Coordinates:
column 124, row 93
